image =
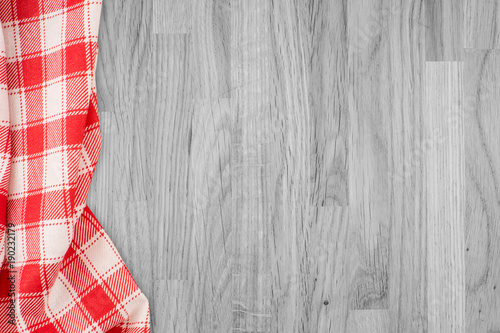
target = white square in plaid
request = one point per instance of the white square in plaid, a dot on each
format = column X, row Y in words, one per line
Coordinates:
column 60, row 298
column 10, row 41
column 56, row 239
column 54, row 99
column 54, row 161
column 15, row 103
column 17, row 185
column 102, row 256
column 137, row 308
column 54, row 32
column 94, row 7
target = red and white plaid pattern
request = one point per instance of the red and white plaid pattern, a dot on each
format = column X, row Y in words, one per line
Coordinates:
column 61, row 272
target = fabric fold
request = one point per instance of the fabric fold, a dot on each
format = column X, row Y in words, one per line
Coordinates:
column 4, row 150
column 61, row 272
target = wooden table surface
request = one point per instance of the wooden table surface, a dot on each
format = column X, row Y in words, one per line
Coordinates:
column 304, row 165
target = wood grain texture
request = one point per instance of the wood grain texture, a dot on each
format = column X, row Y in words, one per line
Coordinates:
column 303, row 166
column 369, row 106
column 376, row 321
column 173, row 300
column 172, row 17
column 387, row 54
column 122, row 66
column 324, row 39
column 444, row 34
column 254, row 166
column 169, row 137
column 408, row 233
column 482, row 20
column 324, row 271
column 211, row 43
column 482, row 252
column 444, row 168
column 210, row 210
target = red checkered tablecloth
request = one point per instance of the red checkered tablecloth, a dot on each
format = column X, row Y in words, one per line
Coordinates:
column 61, row 272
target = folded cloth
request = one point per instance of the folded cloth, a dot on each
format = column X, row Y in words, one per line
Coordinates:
column 61, row 272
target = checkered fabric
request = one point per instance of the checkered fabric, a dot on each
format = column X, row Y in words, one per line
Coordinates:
column 61, row 272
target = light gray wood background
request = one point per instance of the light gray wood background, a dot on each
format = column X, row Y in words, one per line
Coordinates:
column 304, row 165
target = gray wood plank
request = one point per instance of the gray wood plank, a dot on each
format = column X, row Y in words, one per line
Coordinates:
column 376, row 321
column 481, row 24
column 408, row 240
column 211, row 50
column 444, row 34
column 211, row 258
column 169, row 138
column 324, row 36
column 482, row 210
column 124, row 53
column 173, row 300
column 253, row 166
column 172, row 17
column 369, row 107
column 444, row 167
column 323, row 277
column 122, row 168
column 119, row 194
column 387, row 55
column 290, row 130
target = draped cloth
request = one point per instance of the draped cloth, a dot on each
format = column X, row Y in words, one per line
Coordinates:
column 60, row 271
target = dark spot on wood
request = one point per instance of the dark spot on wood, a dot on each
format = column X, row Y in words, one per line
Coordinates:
column 326, row 302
